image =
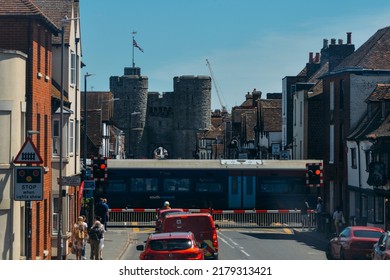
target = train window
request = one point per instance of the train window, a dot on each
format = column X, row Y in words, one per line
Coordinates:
column 176, row 185
column 144, row 184
column 208, row 187
column 274, row 186
column 116, row 187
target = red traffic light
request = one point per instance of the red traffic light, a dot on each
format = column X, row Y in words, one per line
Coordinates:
column 314, row 175
column 99, row 171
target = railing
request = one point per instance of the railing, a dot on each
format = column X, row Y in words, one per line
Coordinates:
column 223, row 218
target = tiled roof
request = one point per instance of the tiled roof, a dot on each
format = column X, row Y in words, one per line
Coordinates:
column 381, row 92
column 366, row 126
column 373, row 54
column 248, row 123
column 271, row 111
column 320, row 72
column 94, row 127
column 56, row 10
column 382, row 131
column 25, row 8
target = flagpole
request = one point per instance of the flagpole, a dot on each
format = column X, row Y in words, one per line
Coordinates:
column 132, row 43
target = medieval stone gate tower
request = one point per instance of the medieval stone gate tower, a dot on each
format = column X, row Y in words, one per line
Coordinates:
column 152, row 120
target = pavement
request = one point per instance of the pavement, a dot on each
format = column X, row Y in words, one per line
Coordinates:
column 118, row 240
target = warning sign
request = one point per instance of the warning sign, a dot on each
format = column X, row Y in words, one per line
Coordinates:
column 28, row 183
column 28, row 153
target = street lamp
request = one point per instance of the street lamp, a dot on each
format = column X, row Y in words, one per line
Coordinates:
column 27, row 213
column 86, row 75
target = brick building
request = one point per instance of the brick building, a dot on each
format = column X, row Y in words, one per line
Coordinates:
column 23, row 27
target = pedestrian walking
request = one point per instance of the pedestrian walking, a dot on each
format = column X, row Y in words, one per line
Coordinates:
column 305, row 214
column 78, row 237
column 101, row 210
column 338, row 219
column 318, row 212
column 96, row 233
column 85, row 238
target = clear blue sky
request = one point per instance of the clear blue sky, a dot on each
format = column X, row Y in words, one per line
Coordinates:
column 249, row 43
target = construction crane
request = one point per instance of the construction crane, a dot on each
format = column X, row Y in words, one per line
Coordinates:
column 223, row 107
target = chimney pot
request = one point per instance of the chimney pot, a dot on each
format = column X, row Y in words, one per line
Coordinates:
column 333, row 41
column 340, row 41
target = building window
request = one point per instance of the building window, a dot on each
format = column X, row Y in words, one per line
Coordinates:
column 295, row 112
column 353, row 158
column 73, row 61
column 331, row 96
column 55, row 220
column 300, row 114
column 47, row 43
column 341, row 95
column 331, row 144
column 56, row 137
column 71, row 137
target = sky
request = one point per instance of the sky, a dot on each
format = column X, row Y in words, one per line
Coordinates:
column 250, row 44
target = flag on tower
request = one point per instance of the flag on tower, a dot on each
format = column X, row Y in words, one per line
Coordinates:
column 136, row 45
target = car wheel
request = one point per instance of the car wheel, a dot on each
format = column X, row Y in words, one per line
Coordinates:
column 328, row 253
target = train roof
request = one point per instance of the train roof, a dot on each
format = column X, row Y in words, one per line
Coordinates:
column 208, row 164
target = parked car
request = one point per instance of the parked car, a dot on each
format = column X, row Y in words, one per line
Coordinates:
column 161, row 216
column 171, row 246
column 354, row 242
column 201, row 224
column 381, row 250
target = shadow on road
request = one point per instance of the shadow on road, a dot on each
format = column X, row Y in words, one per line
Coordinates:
column 313, row 239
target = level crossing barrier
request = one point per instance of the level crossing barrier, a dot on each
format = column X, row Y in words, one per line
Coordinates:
column 140, row 217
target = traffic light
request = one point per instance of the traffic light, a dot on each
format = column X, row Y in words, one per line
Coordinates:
column 314, row 175
column 99, row 172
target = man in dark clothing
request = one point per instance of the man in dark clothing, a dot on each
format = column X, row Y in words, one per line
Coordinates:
column 102, row 212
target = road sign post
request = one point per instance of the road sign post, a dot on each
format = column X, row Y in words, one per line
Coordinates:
column 28, row 183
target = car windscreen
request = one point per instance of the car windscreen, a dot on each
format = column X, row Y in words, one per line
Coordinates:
column 170, row 244
column 367, row 233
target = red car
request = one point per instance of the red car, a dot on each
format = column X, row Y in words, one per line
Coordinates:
column 354, row 242
column 171, row 246
column 161, row 216
column 382, row 247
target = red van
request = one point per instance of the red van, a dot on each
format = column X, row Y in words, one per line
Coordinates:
column 161, row 216
column 201, row 224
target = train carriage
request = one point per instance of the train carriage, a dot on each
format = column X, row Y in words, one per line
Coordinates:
column 197, row 184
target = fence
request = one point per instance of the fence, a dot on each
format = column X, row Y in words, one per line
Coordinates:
column 223, row 218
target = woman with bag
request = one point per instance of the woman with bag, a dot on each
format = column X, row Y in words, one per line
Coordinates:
column 338, row 219
column 78, row 237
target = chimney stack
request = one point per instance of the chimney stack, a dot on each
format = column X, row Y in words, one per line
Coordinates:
column 310, row 57
column 340, row 41
column 325, row 45
column 349, row 38
column 317, row 59
column 333, row 41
